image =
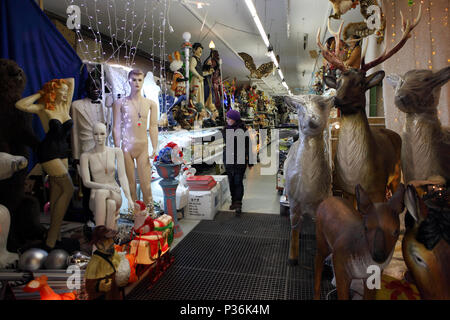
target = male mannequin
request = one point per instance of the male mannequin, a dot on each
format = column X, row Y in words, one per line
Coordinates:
column 130, row 132
column 195, row 67
column 98, row 171
column 85, row 114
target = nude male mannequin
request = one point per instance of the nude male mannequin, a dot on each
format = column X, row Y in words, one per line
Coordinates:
column 130, row 125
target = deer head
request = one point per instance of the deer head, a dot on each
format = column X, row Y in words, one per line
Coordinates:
column 426, row 247
column 352, row 83
column 313, row 112
column 418, row 91
column 381, row 222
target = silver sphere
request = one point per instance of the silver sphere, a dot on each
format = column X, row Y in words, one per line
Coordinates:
column 79, row 259
column 186, row 36
column 32, row 259
column 57, row 259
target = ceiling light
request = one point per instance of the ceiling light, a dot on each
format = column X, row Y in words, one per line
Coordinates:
column 212, row 45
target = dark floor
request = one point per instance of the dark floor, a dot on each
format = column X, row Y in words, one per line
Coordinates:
column 232, row 258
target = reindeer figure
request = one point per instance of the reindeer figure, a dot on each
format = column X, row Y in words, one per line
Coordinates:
column 307, row 171
column 426, row 144
column 426, row 246
column 357, row 239
column 47, row 293
column 370, row 157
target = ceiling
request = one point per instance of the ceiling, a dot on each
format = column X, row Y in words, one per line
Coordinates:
column 227, row 22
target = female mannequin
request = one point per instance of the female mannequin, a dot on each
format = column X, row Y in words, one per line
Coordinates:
column 100, row 164
column 52, row 107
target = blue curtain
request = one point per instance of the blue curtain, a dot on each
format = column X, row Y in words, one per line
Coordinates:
column 28, row 37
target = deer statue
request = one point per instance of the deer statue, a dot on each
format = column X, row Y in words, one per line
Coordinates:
column 47, row 293
column 356, row 239
column 426, row 245
column 426, row 144
column 307, row 171
column 364, row 155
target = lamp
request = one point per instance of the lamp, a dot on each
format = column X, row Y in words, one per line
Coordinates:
column 212, row 45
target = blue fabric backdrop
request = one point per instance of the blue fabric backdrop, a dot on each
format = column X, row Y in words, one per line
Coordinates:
column 28, row 37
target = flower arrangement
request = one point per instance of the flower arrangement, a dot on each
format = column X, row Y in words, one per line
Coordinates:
column 170, row 154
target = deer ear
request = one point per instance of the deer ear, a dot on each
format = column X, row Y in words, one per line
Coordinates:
column 374, row 79
column 363, row 201
column 413, row 204
column 441, row 77
column 396, row 202
column 330, row 81
column 393, row 79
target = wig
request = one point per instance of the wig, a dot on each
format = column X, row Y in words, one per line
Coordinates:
column 48, row 93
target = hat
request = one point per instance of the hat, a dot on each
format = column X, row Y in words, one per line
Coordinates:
column 234, row 115
column 101, row 233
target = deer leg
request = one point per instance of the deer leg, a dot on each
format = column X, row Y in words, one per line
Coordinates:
column 296, row 223
column 321, row 254
column 343, row 281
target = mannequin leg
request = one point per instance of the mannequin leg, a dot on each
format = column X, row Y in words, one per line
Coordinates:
column 145, row 176
column 100, row 212
column 59, row 202
column 129, row 169
column 111, row 214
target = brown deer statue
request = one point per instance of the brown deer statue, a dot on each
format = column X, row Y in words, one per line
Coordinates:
column 426, row 245
column 307, row 171
column 364, row 155
column 357, row 239
column 425, row 143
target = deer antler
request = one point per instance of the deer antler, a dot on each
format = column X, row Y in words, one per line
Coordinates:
column 333, row 57
column 406, row 29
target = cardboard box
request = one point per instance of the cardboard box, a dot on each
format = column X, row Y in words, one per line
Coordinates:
column 203, row 205
column 225, row 188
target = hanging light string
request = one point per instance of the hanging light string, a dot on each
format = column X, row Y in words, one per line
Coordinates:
column 144, row 25
column 164, row 43
column 133, row 15
column 153, row 38
column 116, row 35
column 111, row 36
column 432, row 52
column 91, row 29
column 124, row 28
column 97, row 23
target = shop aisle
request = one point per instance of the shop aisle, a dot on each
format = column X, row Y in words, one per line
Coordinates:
column 237, row 258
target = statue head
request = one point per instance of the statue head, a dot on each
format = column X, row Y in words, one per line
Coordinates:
column 136, row 79
column 54, row 92
column 197, row 49
column 99, row 132
column 93, row 87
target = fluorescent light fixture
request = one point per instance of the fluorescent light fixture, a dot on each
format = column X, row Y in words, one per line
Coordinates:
column 280, row 73
column 252, row 9
column 274, row 59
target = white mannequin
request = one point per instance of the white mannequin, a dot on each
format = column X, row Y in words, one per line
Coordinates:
column 9, row 164
column 130, row 132
column 100, row 163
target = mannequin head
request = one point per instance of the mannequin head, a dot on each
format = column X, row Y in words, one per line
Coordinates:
column 197, row 49
column 99, row 134
column 54, row 92
column 136, row 79
column 93, row 86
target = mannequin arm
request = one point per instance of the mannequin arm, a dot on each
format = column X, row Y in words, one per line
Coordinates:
column 117, row 134
column 123, row 176
column 27, row 104
column 71, row 85
column 153, row 128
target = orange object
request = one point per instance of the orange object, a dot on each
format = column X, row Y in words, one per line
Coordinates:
column 132, row 260
column 47, row 293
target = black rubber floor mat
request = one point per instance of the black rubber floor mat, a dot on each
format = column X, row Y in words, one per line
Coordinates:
column 238, row 258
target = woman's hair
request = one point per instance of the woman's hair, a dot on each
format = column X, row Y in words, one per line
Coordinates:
column 48, row 93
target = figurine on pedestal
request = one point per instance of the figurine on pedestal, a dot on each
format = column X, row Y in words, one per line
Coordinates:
column 52, row 107
column 86, row 113
column 196, row 69
column 100, row 164
column 101, row 271
column 130, row 132
column 208, row 84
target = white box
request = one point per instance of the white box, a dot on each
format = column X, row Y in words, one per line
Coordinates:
column 203, row 205
column 224, row 186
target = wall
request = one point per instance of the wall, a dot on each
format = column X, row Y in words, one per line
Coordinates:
column 428, row 48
